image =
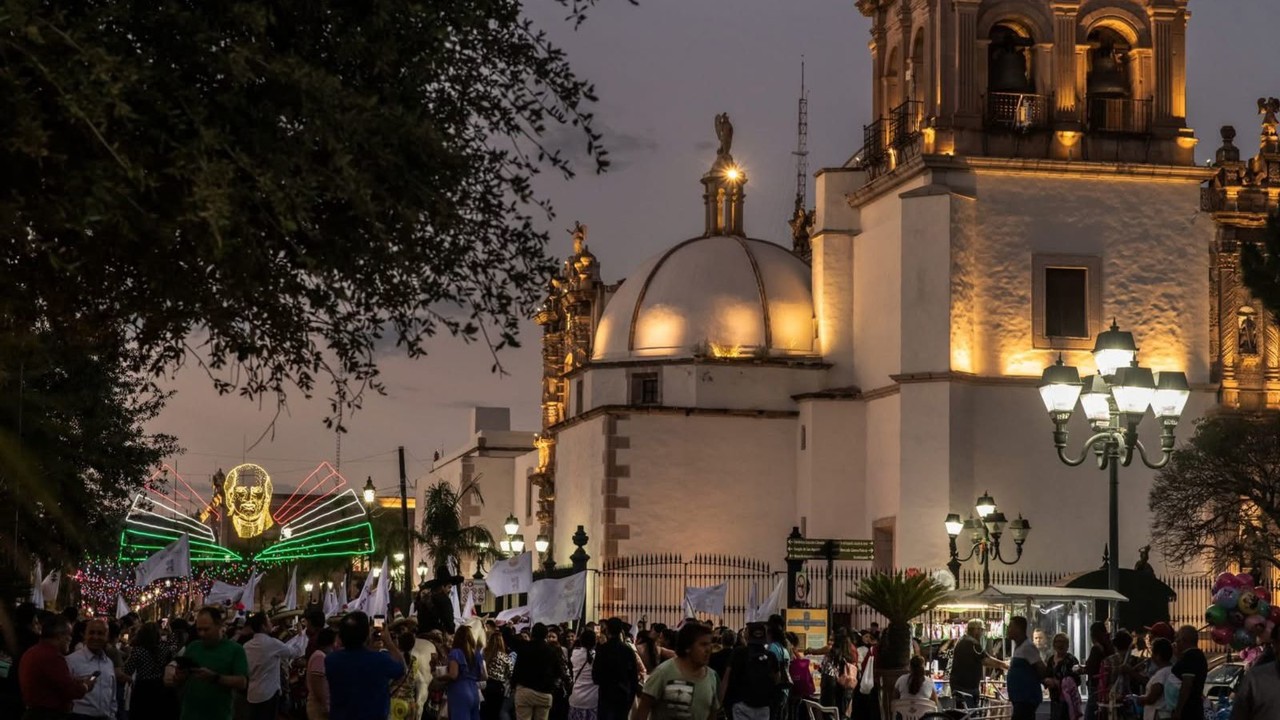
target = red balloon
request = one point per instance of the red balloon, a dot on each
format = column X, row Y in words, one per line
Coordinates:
column 1263, row 594
column 1225, row 579
column 1222, row 635
column 1244, row 580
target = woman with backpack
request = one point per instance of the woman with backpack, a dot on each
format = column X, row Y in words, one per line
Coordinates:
column 839, row 673
column 584, row 694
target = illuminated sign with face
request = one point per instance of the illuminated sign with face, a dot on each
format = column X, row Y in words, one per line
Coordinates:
column 247, row 490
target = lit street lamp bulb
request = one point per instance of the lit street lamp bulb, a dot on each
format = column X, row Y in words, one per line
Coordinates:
column 398, row 557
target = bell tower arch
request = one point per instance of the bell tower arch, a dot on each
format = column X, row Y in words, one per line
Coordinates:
column 1098, row 80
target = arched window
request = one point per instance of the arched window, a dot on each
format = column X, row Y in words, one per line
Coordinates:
column 892, row 80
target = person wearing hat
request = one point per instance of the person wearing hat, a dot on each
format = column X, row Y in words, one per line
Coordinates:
column 435, row 611
column 967, row 662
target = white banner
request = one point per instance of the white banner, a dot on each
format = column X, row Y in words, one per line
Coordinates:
column 511, row 576
column 557, row 600
column 342, row 592
column 362, row 599
column 468, row 605
column 291, row 596
column 174, row 560
column 331, row 606
column 122, row 607
column 709, row 600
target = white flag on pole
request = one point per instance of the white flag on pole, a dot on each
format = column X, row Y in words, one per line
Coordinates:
column 468, row 604
column 37, row 586
column 557, row 600
column 248, row 598
column 222, row 592
column 457, row 606
column 122, row 607
column 514, row 613
column 49, row 586
column 342, row 592
column 772, row 603
column 753, row 600
column 709, row 600
column 381, row 597
column 174, row 560
column 511, row 576
column 362, row 599
column 331, row 606
column 291, row 596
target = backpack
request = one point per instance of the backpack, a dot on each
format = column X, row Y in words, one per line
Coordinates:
column 801, row 677
column 759, row 677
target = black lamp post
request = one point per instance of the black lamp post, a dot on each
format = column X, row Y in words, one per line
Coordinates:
column 985, row 532
column 1115, row 400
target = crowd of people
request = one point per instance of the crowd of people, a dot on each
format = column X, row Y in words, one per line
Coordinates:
column 211, row 666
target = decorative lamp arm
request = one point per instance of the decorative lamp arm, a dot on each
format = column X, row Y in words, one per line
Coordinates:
column 1166, row 454
column 1084, row 451
column 997, row 555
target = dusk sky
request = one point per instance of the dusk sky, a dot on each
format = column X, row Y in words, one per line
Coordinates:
column 662, row 70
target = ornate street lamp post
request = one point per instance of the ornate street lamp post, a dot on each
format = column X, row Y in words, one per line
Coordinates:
column 985, row 532
column 1115, row 400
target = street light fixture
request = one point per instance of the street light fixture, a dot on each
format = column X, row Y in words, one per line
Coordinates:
column 398, row 557
column 512, row 525
column 505, row 545
column 422, row 571
column 308, row 587
column 517, row 543
column 1115, row 400
column 541, row 544
column 985, row 532
column 370, row 493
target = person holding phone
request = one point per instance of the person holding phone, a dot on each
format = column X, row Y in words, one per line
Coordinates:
column 210, row 669
column 48, row 687
column 91, row 660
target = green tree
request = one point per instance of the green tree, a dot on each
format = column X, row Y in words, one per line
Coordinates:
column 73, row 449
column 279, row 190
column 1218, row 499
column 444, row 533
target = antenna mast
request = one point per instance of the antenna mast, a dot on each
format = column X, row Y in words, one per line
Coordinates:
column 801, row 219
column 802, row 142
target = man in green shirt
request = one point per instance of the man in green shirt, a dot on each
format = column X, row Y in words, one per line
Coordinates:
column 213, row 669
column 682, row 688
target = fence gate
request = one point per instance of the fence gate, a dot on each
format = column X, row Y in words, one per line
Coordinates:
column 652, row 585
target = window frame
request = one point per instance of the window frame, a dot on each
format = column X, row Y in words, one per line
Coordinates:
column 1092, row 265
column 636, row 385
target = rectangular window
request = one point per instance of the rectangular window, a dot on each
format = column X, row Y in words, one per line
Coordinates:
column 1066, row 298
column 1066, row 302
column 645, row 389
column 577, row 397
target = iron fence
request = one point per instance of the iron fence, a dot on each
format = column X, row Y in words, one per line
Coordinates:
column 652, row 586
column 1017, row 111
column 1119, row 115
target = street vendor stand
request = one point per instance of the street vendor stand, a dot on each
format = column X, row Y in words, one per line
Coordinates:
column 1049, row 608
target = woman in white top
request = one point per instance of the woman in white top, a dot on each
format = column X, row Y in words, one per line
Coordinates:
column 1153, row 703
column 916, row 685
column 583, row 694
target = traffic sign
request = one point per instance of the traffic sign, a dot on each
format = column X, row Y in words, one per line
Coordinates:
column 834, row 549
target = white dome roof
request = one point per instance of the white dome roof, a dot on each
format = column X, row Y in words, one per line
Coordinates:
column 718, row 295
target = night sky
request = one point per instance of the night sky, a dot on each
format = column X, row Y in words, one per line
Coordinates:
column 663, row 70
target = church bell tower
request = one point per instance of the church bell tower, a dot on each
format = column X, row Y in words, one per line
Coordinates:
column 1095, row 80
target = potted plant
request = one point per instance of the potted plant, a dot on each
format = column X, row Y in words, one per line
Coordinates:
column 900, row 597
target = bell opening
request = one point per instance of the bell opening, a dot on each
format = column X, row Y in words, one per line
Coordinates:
column 1009, row 60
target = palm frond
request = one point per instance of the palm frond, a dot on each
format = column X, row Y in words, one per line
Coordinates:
column 900, row 597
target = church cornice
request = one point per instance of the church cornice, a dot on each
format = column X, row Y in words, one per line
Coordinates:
column 794, row 364
column 616, row 410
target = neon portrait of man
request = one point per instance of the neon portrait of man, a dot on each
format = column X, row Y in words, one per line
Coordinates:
column 247, row 490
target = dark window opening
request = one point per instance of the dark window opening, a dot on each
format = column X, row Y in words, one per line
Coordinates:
column 644, row 389
column 1066, row 302
column 803, row 439
column 577, row 398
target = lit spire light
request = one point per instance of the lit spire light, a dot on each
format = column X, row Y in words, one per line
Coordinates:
column 733, row 173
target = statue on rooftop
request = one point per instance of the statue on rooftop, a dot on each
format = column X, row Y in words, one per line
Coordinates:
column 724, row 133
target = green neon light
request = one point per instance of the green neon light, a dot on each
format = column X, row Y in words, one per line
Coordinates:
column 309, row 540
column 172, row 538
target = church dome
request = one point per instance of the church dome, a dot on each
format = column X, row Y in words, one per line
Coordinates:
column 718, row 295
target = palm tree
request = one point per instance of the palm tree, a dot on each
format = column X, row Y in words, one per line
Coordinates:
column 443, row 533
column 900, row 597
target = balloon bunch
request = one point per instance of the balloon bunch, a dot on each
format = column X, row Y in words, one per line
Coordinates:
column 1240, row 612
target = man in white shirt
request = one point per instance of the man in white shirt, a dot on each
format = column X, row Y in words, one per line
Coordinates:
column 265, row 654
column 89, row 659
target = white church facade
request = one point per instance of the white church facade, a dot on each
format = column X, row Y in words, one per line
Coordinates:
column 1030, row 178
